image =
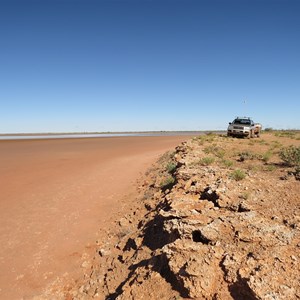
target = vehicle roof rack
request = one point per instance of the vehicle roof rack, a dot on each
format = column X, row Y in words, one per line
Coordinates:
column 249, row 118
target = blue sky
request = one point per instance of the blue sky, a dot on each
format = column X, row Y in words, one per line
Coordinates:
column 85, row 65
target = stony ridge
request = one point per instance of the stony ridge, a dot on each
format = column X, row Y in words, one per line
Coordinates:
column 202, row 233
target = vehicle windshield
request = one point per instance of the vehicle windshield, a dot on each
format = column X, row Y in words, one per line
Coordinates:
column 242, row 121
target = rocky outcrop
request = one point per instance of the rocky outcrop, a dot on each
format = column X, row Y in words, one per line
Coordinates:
column 219, row 245
column 200, row 233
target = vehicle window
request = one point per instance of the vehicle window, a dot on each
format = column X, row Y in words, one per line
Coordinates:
column 242, row 121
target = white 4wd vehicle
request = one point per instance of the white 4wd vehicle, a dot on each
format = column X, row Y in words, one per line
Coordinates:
column 244, row 127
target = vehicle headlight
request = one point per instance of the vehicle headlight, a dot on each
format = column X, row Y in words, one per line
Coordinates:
column 247, row 128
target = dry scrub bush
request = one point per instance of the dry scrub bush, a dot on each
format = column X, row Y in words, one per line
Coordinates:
column 290, row 134
column 290, row 155
column 217, row 151
column 205, row 161
column 227, row 163
column 167, row 182
column 209, row 137
column 238, row 175
column 246, row 155
column 266, row 156
column 270, row 168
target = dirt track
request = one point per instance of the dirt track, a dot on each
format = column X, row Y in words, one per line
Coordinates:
column 55, row 195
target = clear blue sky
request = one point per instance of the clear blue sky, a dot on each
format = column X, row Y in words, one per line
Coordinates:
column 71, row 65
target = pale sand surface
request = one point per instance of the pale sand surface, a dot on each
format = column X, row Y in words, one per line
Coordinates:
column 55, row 195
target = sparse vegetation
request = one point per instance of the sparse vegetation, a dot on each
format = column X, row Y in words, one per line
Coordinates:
column 227, row 163
column 293, row 134
column 166, row 157
column 220, row 153
column 209, row 137
column 262, row 142
column 270, row 168
column 238, row 175
column 246, row 155
column 268, row 129
column 262, row 151
column 210, row 133
column 205, row 161
column 267, row 156
column 217, row 151
column 275, row 144
column 253, row 167
column 290, row 155
column 167, row 182
column 171, row 167
column 284, row 133
column 245, row 195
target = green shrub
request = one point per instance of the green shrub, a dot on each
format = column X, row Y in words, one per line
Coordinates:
column 220, row 153
column 287, row 133
column 205, row 161
column 208, row 149
column 290, row 155
column 208, row 137
column 246, row 155
column 275, row 144
column 167, row 182
column 253, row 167
column 171, row 167
column 270, row 168
column 266, row 156
column 217, row 151
column 227, row 163
column 238, row 175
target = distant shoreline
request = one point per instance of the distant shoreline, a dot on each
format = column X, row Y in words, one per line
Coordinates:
column 52, row 135
column 107, row 132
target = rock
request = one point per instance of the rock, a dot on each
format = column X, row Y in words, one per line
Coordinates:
column 86, row 264
column 195, row 267
column 123, row 222
column 103, row 252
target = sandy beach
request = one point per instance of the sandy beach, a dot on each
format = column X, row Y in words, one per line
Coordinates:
column 56, row 194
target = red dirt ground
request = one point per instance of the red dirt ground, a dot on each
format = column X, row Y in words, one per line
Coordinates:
column 55, row 195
